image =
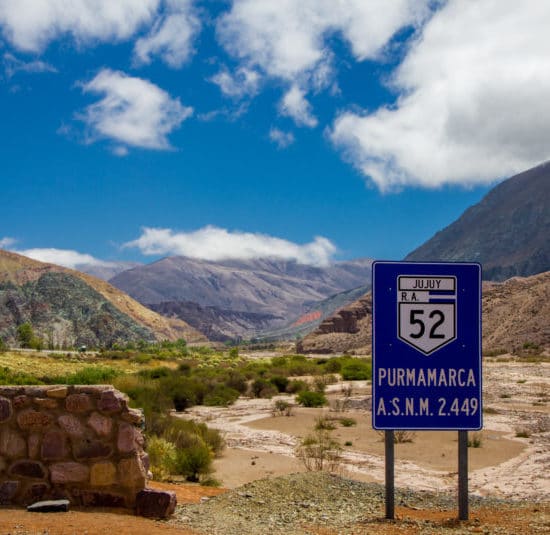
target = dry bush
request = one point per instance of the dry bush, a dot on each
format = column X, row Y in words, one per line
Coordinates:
column 320, row 451
column 282, row 408
column 324, row 423
column 339, row 405
column 475, row 440
column 400, row 436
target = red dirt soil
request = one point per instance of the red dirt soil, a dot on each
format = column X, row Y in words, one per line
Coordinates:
column 79, row 521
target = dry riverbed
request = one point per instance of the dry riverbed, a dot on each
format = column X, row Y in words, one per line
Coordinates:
column 513, row 460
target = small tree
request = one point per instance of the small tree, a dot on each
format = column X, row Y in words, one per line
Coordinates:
column 311, row 399
column 25, row 334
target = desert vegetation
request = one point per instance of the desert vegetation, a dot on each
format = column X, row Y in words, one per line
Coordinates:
column 170, row 376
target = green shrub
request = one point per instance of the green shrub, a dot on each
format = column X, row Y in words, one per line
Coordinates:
column 296, row 386
column 279, row 382
column 9, row 377
column 162, row 456
column 147, row 395
column 156, row 373
column 311, row 399
column 324, row 423
column 91, row 375
column 142, row 358
column 237, row 381
column 261, row 388
column 333, row 365
column 356, row 370
column 194, row 462
column 221, row 395
column 348, row 422
column 183, row 433
column 475, row 440
column 183, row 391
column 281, row 408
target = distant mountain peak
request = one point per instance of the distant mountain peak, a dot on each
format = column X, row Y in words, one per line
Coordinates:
column 507, row 231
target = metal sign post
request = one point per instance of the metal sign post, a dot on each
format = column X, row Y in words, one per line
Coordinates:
column 427, row 355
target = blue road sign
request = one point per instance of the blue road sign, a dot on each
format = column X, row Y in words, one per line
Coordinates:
column 426, row 346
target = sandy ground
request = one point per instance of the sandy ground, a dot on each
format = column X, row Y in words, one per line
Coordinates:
column 516, row 398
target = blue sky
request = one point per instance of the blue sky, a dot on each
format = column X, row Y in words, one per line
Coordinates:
column 304, row 129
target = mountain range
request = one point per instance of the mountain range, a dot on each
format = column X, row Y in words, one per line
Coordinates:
column 238, row 298
column 508, row 232
column 515, row 316
column 268, row 299
column 67, row 308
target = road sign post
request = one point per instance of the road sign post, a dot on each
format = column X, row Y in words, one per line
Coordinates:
column 427, row 351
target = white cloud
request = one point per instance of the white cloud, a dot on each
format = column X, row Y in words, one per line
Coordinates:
column 295, row 105
column 280, row 138
column 474, row 104
column 213, row 243
column 6, row 242
column 120, row 151
column 171, row 36
column 13, row 65
column 287, row 39
column 30, row 25
column 132, row 111
column 63, row 257
column 244, row 82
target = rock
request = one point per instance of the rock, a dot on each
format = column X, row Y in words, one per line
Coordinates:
column 91, row 449
column 35, row 492
column 69, row 472
column 102, row 425
column 131, row 473
column 133, row 416
column 21, row 401
column 5, row 409
column 45, row 403
column 8, row 489
column 33, row 444
column 12, row 444
column 78, row 403
column 32, row 419
column 91, row 498
column 103, row 474
column 49, row 506
column 54, row 446
column 58, row 392
column 71, row 424
column 28, row 469
column 129, row 438
column 111, row 402
column 155, row 503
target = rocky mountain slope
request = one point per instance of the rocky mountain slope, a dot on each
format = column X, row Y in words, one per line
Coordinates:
column 515, row 316
column 313, row 317
column 68, row 308
column 217, row 324
column 238, row 298
column 508, row 231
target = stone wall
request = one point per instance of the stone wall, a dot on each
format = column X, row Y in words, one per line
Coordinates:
column 81, row 443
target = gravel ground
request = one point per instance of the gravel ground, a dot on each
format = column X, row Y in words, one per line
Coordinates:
column 317, row 502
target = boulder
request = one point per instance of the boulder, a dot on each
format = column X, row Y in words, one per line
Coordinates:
column 155, row 503
column 49, row 506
